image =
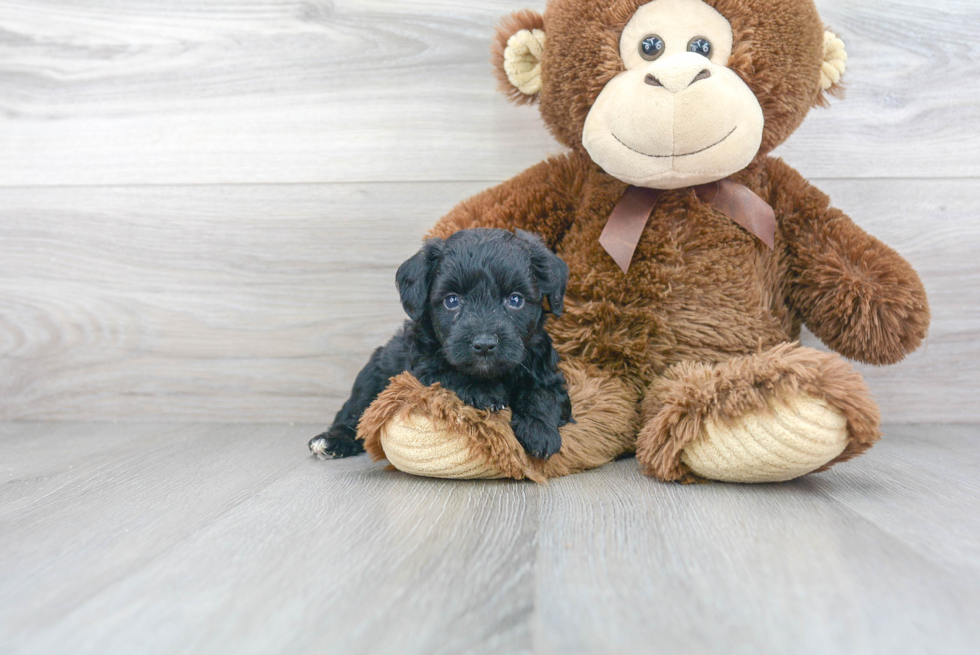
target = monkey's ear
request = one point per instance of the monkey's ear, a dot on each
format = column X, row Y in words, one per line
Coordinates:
column 415, row 276
column 833, row 66
column 549, row 270
column 516, row 55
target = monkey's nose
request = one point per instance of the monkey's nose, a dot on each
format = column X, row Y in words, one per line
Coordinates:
column 652, row 81
column 703, row 75
column 676, row 82
column 484, row 344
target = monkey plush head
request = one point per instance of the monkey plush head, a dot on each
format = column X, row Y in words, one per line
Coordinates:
column 667, row 94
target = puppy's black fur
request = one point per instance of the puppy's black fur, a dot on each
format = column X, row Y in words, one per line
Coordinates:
column 476, row 308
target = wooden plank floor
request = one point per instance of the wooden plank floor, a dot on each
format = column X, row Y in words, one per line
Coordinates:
column 168, row 538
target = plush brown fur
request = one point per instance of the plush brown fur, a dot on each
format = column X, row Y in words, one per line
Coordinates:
column 860, row 297
column 702, row 324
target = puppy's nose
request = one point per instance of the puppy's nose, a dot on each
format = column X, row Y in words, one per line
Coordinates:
column 485, row 343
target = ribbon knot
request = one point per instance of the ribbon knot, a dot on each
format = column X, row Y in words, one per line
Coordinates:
column 736, row 201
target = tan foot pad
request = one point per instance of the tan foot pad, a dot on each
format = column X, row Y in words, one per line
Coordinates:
column 793, row 437
column 414, row 445
column 428, row 431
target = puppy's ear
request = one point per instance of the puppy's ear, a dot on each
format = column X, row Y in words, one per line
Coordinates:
column 415, row 276
column 549, row 270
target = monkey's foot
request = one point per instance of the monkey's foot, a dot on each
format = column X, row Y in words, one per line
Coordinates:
column 768, row 417
column 429, row 431
column 791, row 437
column 418, row 445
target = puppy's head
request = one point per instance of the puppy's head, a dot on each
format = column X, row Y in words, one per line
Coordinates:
column 483, row 292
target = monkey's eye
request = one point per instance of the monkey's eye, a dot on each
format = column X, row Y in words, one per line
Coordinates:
column 515, row 301
column 652, row 47
column 451, row 301
column 700, row 45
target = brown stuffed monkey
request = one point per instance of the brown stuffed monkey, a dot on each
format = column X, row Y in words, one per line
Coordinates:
column 695, row 257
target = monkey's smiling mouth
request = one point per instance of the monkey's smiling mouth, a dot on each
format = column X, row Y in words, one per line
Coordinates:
column 686, row 154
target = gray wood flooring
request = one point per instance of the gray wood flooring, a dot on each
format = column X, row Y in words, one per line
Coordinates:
column 168, row 538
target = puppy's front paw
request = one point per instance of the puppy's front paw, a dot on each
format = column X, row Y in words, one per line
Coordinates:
column 489, row 401
column 539, row 439
column 337, row 442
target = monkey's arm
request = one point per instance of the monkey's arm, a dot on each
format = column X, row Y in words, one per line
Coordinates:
column 542, row 200
column 856, row 294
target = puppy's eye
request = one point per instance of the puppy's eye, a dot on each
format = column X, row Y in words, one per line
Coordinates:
column 700, row 45
column 451, row 301
column 515, row 301
column 652, row 47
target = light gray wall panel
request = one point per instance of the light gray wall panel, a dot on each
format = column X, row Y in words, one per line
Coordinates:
column 260, row 303
column 202, row 204
column 265, row 91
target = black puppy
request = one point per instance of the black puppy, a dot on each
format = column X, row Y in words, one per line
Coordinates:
column 475, row 302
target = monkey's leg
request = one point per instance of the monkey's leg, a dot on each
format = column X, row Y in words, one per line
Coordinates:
column 767, row 417
column 428, row 431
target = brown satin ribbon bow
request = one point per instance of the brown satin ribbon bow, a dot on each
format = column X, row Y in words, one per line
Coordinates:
column 736, row 201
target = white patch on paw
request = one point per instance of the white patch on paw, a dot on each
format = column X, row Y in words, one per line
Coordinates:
column 319, row 448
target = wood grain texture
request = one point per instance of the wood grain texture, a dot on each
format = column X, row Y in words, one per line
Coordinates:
column 163, row 538
column 256, row 91
column 235, row 540
column 217, row 301
column 261, row 303
column 763, row 569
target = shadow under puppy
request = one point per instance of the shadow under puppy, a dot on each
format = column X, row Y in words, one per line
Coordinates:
column 477, row 314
